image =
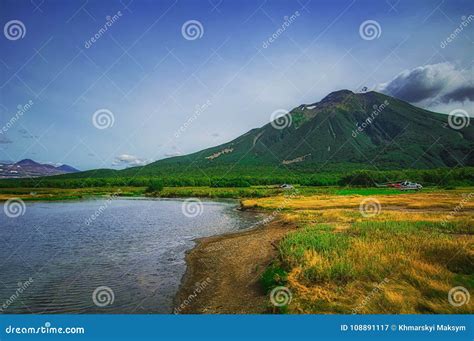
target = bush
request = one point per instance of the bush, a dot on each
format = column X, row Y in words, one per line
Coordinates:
column 154, row 186
column 272, row 277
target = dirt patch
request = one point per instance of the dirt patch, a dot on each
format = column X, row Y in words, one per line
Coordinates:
column 222, row 152
column 223, row 272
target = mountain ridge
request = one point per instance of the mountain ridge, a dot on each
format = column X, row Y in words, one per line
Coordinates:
column 343, row 131
column 318, row 131
column 28, row 168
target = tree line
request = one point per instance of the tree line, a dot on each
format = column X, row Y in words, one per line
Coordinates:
column 432, row 177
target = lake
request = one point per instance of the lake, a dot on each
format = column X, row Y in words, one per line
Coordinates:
column 115, row 255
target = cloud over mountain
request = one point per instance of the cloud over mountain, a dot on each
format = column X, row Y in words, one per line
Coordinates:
column 431, row 85
column 465, row 93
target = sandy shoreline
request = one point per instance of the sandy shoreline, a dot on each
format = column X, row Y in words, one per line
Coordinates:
column 223, row 272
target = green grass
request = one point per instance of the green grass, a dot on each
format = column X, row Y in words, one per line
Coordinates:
column 321, row 240
column 417, row 262
column 272, row 277
column 220, row 192
column 45, row 193
column 56, row 194
column 368, row 228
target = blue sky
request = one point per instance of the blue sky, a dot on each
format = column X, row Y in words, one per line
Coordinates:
column 169, row 95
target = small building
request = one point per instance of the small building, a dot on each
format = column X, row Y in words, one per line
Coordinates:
column 286, row 186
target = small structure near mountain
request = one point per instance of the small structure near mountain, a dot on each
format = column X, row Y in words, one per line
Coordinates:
column 286, row 186
column 402, row 185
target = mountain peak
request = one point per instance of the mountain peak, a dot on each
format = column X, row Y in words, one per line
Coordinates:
column 28, row 168
column 341, row 130
column 26, row 162
column 337, row 95
column 67, row 169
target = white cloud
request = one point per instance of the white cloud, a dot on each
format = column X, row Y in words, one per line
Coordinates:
column 129, row 161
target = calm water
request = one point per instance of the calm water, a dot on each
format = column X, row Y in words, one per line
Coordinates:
column 134, row 247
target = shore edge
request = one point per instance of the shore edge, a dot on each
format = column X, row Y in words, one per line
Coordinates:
column 223, row 272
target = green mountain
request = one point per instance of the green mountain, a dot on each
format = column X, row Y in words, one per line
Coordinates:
column 392, row 134
column 344, row 131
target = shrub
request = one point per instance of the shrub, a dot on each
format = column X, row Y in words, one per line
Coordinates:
column 154, row 186
column 272, row 277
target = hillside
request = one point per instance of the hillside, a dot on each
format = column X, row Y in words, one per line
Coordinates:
column 29, row 169
column 323, row 136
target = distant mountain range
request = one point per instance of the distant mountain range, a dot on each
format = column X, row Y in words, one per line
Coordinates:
column 28, row 168
column 342, row 132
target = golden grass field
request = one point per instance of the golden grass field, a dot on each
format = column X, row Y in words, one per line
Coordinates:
column 403, row 255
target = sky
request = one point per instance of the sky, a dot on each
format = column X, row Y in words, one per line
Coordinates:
column 114, row 84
